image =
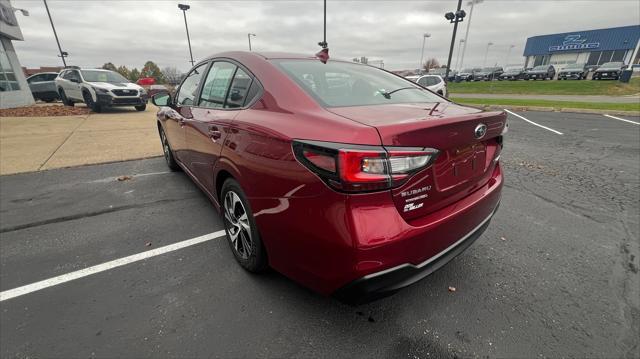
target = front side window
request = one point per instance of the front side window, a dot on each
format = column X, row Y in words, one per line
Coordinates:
column 216, row 85
column 337, row 84
column 189, row 88
column 8, row 81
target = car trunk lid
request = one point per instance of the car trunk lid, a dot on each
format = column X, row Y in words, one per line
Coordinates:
column 465, row 161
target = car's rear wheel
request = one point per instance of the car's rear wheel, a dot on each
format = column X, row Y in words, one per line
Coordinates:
column 141, row 107
column 242, row 232
column 88, row 100
column 64, row 99
column 168, row 153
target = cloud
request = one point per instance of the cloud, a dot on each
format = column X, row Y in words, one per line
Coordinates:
column 132, row 32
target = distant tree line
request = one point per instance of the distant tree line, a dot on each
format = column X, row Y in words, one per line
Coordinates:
column 168, row 74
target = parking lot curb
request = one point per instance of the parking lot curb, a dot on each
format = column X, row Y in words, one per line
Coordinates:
column 570, row 110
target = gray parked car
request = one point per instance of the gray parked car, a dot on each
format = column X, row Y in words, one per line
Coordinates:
column 43, row 86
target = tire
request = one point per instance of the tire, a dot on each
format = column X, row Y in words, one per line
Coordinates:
column 141, row 107
column 64, row 99
column 88, row 100
column 168, row 152
column 238, row 221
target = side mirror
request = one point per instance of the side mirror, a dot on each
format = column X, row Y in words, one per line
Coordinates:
column 161, row 99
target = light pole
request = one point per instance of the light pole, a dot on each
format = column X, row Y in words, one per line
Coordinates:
column 424, row 38
column 506, row 60
column 249, row 38
column 458, row 56
column 466, row 35
column 484, row 63
column 453, row 18
column 63, row 54
column 184, row 9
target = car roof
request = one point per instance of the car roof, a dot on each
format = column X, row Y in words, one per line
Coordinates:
column 241, row 55
column 44, row 73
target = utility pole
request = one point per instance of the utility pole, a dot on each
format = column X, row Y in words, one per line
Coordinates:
column 484, row 63
column 506, row 60
column 184, row 9
column 466, row 35
column 455, row 19
column 458, row 56
column 424, row 38
column 63, row 54
column 249, row 38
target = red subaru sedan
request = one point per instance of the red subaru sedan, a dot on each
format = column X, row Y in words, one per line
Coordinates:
column 344, row 177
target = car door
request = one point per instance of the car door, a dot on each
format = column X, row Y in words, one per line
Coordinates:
column 73, row 89
column 185, row 99
column 35, row 84
column 223, row 91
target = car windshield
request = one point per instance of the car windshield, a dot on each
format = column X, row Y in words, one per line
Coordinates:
column 487, row 69
column 612, row 65
column 540, row 68
column 514, row 69
column 336, row 84
column 467, row 70
column 102, row 76
column 574, row 66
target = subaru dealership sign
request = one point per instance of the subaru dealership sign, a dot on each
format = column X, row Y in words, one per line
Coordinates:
column 575, row 42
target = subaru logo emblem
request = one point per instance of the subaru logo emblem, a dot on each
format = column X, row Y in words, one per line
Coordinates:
column 480, row 130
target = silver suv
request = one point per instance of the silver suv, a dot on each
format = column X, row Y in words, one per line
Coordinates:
column 98, row 89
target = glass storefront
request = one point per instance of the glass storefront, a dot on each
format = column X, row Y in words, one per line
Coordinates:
column 8, row 81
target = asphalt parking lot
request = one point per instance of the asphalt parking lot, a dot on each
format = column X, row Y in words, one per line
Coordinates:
column 555, row 275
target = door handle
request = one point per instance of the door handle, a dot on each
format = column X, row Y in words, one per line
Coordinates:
column 214, row 133
column 181, row 122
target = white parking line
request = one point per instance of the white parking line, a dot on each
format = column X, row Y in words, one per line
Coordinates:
column 535, row 124
column 622, row 119
column 30, row 288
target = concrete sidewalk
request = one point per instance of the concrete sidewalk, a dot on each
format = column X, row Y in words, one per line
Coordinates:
column 576, row 98
column 38, row 143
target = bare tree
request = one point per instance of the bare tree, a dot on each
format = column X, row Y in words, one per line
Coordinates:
column 431, row 63
column 171, row 75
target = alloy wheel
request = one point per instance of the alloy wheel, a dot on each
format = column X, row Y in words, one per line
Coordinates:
column 165, row 147
column 237, row 224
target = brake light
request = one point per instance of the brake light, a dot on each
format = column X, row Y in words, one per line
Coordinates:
column 355, row 168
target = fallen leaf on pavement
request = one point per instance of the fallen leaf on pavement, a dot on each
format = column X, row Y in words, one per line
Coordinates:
column 452, row 289
column 504, row 239
column 148, row 244
column 124, row 178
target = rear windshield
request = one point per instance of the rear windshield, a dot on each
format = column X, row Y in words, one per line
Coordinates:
column 102, row 76
column 612, row 64
column 337, row 84
column 541, row 67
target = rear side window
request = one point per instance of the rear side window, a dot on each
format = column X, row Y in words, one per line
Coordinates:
column 216, row 85
column 189, row 87
column 348, row 84
column 239, row 89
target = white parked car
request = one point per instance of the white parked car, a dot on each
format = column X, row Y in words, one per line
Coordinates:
column 434, row 83
column 98, row 89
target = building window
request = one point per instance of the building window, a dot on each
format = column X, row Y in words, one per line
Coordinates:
column 618, row 56
column 606, row 57
column 8, row 81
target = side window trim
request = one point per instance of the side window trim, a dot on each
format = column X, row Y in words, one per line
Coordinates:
column 226, row 93
column 238, row 66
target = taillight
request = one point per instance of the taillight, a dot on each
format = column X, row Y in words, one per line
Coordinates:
column 356, row 168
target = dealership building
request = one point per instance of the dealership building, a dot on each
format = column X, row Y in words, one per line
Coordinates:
column 591, row 47
column 14, row 90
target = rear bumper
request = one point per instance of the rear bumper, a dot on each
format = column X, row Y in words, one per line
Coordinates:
column 384, row 283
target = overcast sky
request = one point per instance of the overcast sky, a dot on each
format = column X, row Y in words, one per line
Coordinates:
column 132, row 32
